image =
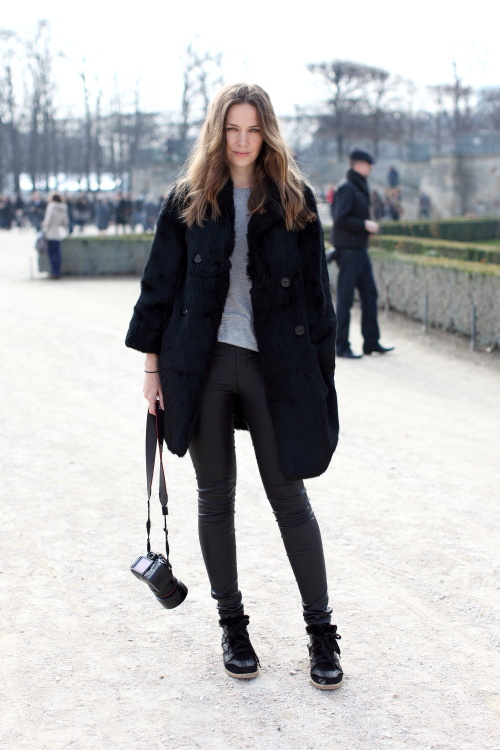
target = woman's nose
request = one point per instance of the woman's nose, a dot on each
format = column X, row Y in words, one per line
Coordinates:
column 242, row 137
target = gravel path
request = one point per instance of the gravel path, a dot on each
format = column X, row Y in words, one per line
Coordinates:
column 409, row 515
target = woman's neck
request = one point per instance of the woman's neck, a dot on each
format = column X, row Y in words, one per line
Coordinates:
column 244, row 177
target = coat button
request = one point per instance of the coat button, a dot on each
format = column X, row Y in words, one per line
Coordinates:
column 300, row 330
column 285, row 282
column 184, row 310
column 197, row 259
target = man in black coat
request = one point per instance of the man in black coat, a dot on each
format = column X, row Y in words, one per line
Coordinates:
column 351, row 231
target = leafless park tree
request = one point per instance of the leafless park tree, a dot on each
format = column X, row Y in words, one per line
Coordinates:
column 113, row 134
column 201, row 77
column 352, row 89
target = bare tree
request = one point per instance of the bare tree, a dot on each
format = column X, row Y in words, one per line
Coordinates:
column 462, row 96
column 346, row 84
column 201, row 76
column 87, row 130
column 92, row 130
column 10, row 114
column 137, row 135
column 3, row 138
column 439, row 94
column 114, row 139
column 41, row 104
column 454, row 108
column 98, row 147
column 378, row 98
column 488, row 108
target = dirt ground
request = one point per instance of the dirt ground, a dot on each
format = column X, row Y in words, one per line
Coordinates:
column 409, row 516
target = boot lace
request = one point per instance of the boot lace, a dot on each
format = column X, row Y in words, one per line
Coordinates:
column 238, row 641
column 325, row 647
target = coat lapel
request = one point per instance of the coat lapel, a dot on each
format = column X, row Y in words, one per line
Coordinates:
column 258, row 225
column 260, row 260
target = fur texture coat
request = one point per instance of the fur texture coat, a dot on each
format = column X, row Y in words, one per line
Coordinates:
column 183, row 292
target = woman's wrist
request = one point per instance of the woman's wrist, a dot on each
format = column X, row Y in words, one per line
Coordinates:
column 151, row 362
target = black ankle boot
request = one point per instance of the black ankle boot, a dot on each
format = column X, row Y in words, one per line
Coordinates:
column 240, row 660
column 324, row 652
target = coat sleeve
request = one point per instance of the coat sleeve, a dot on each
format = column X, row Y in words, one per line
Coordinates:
column 343, row 210
column 321, row 314
column 159, row 280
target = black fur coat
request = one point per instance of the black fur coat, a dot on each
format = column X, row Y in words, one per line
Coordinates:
column 183, row 293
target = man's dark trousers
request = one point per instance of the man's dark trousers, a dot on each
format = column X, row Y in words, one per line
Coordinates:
column 355, row 272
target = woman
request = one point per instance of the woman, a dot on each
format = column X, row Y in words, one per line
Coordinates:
column 236, row 319
column 55, row 226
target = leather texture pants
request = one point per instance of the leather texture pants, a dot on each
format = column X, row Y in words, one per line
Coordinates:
column 235, row 374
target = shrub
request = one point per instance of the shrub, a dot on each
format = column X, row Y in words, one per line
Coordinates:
column 465, row 266
column 438, row 248
column 462, row 230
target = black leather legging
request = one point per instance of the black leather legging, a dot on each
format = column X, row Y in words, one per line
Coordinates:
column 236, row 372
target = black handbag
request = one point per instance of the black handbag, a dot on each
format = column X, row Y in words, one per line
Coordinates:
column 154, row 568
column 41, row 243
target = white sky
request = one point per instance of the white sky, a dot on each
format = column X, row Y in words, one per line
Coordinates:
column 268, row 42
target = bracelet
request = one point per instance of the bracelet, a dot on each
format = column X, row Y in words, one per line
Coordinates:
column 150, row 372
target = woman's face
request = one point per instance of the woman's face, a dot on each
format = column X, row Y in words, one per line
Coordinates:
column 243, row 137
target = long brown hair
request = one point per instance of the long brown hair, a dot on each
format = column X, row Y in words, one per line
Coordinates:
column 207, row 170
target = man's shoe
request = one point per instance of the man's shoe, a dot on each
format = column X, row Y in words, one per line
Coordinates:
column 238, row 655
column 348, row 354
column 326, row 672
column 377, row 349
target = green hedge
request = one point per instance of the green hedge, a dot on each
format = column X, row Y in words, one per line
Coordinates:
column 461, row 230
column 129, row 237
column 438, row 248
column 469, row 267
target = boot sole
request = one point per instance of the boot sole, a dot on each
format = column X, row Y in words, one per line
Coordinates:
column 326, row 687
column 242, row 676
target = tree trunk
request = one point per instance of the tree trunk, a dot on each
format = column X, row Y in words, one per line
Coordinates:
column 340, row 145
column 2, row 160
column 15, row 164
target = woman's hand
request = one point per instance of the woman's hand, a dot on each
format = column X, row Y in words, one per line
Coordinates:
column 152, row 390
column 152, row 385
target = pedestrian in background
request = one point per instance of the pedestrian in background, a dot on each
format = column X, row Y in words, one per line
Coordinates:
column 123, row 212
column 151, row 210
column 19, row 209
column 351, row 231
column 330, row 197
column 237, row 322
column 377, row 203
column 55, row 226
column 393, row 177
column 6, row 212
column 424, row 205
column 394, row 203
column 102, row 214
column 138, row 216
column 36, row 210
column 82, row 212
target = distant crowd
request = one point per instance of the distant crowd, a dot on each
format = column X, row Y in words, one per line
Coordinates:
column 389, row 205
column 121, row 211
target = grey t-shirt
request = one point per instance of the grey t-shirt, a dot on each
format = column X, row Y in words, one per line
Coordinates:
column 237, row 319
